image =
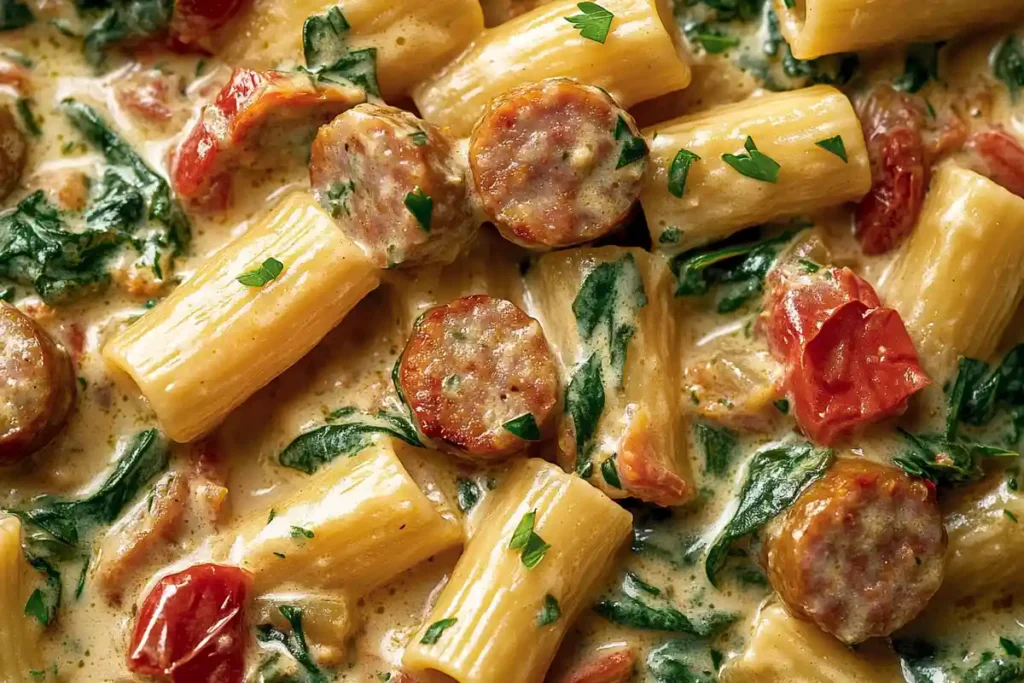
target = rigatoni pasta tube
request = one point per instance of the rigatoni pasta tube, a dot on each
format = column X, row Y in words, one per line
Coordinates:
column 717, row 200
column 493, row 601
column 354, row 526
column 638, row 60
column 822, row 27
column 959, row 278
column 413, row 38
column 215, row 341
column 19, row 635
column 784, row 648
column 986, row 544
column 607, row 314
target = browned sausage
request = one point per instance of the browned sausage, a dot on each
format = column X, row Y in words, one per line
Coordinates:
column 37, row 388
column 610, row 667
column 13, row 150
column 474, row 366
column 394, row 184
column 861, row 552
column 556, row 163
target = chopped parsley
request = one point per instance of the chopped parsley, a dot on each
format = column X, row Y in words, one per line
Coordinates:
column 14, row 14
column 467, row 493
column 524, row 426
column 24, row 106
column 754, row 164
column 550, row 612
column 1010, row 516
column 713, row 40
column 610, row 473
column 337, row 198
column 258, row 277
column 527, row 540
column 299, row 532
column 634, row 148
column 670, row 236
column 421, row 206
column 677, row 174
column 835, row 146
column 419, row 138
column 782, row 405
column 595, row 22
column 435, row 630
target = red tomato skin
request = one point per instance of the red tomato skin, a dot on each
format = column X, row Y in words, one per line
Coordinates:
column 191, row 627
column 892, row 126
column 848, row 360
column 1001, row 157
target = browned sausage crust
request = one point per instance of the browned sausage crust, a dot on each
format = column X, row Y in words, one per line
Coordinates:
column 37, row 385
column 556, row 163
column 861, row 552
column 13, row 150
column 477, row 372
column 395, row 185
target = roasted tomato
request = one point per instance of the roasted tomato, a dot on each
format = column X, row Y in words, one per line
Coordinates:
column 1000, row 157
column 847, row 359
column 892, row 126
column 264, row 111
column 191, row 626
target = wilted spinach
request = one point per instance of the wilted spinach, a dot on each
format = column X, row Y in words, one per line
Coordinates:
column 329, row 57
column 124, row 20
column 775, row 476
column 354, row 431
column 294, row 643
column 14, row 14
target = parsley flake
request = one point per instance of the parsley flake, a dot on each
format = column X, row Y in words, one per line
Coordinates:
column 634, row 148
column 678, row 172
column 419, row 138
column 299, row 532
column 610, row 473
column 595, row 22
column 1008, row 65
column 754, row 164
column 836, row 146
column 435, row 630
column 268, row 270
column 421, row 206
column 524, row 426
column 550, row 612
column 524, row 538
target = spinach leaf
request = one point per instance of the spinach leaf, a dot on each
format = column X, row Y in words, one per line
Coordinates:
column 467, row 493
column 1008, row 65
column 606, row 308
column 294, row 642
column 775, row 476
column 71, row 522
column 921, row 66
column 14, row 14
column 45, row 601
column 783, row 71
column 719, row 446
column 584, row 403
column 681, row 661
column 925, row 663
column 678, row 172
column 126, row 20
column 524, row 426
column 631, row 609
column 610, row 472
column 116, row 205
column 329, row 57
column 161, row 205
column 741, row 268
column 634, row 147
column 977, row 393
column 945, row 461
column 436, row 630
column 357, row 430
column 714, row 40
column 36, row 249
column 993, row 669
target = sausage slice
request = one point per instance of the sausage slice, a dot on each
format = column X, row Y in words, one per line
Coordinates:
column 556, row 163
column 394, row 184
column 479, row 377
column 861, row 552
column 37, row 386
column 13, row 150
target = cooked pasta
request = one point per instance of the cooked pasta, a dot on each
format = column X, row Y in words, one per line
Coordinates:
column 511, row 341
column 823, row 27
column 251, row 333
column 787, row 127
column 495, row 62
column 496, row 593
column 970, row 234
